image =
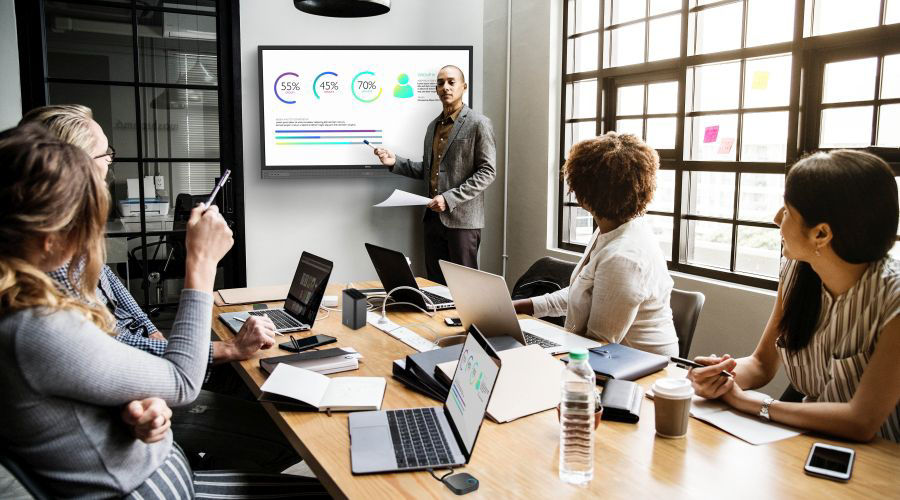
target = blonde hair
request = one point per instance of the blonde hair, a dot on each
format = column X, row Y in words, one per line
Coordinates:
column 50, row 188
column 70, row 122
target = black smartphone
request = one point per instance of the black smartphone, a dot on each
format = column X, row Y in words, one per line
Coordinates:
column 306, row 343
column 453, row 321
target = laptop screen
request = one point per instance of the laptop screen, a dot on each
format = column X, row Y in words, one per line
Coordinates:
column 308, row 287
column 474, row 379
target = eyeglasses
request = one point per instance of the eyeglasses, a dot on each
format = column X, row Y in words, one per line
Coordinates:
column 110, row 154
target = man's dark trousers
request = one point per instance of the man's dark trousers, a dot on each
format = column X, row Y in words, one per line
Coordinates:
column 459, row 246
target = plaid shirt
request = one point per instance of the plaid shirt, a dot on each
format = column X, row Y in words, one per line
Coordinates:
column 132, row 324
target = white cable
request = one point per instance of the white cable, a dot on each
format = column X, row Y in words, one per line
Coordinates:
column 428, row 301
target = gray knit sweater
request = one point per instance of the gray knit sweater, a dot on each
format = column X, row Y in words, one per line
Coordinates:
column 62, row 386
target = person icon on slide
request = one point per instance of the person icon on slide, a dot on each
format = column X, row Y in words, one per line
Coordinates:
column 403, row 89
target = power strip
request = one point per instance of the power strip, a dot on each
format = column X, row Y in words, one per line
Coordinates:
column 400, row 333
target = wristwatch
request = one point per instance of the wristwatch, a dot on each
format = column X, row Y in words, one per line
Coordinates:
column 764, row 409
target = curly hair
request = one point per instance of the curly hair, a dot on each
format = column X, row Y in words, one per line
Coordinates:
column 613, row 176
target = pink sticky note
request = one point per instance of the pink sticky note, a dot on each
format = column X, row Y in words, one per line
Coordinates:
column 711, row 134
column 726, row 145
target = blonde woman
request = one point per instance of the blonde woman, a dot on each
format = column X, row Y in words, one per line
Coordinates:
column 60, row 369
column 251, row 439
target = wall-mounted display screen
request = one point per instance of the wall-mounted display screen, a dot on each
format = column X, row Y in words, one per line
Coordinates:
column 320, row 104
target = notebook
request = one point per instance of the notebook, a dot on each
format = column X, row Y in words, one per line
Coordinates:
column 292, row 388
column 623, row 363
column 339, row 359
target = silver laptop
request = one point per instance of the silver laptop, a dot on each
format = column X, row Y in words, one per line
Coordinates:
column 302, row 303
column 483, row 299
column 429, row 438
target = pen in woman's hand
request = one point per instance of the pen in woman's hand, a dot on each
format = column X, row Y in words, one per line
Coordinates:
column 687, row 363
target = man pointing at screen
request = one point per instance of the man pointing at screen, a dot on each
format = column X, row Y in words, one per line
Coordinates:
column 458, row 163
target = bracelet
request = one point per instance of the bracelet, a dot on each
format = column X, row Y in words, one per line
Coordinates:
column 764, row 409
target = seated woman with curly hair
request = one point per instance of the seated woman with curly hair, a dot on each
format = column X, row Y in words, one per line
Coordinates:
column 620, row 289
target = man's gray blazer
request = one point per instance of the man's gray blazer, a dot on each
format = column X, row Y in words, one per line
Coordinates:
column 468, row 167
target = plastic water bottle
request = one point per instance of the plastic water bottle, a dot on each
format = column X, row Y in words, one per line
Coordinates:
column 576, row 417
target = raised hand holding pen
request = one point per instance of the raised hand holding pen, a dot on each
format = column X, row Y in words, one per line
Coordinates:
column 386, row 156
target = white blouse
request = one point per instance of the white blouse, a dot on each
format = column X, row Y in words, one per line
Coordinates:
column 619, row 292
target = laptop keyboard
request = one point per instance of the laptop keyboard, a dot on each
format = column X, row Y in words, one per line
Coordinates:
column 281, row 319
column 437, row 299
column 541, row 341
column 417, row 437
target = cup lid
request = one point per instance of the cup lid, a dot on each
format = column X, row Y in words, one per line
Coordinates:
column 673, row 388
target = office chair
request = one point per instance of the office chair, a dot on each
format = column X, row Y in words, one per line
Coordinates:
column 23, row 475
column 546, row 275
column 686, row 308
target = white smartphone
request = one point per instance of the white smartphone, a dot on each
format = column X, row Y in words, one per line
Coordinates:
column 830, row 462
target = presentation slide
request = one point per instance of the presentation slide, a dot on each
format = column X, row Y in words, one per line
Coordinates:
column 319, row 104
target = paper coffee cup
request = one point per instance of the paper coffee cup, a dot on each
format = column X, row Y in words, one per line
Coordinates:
column 672, row 403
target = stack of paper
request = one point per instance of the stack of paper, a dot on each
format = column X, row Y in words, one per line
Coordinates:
column 747, row 427
column 338, row 359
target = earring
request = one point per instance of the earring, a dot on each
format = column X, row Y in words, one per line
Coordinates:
column 817, row 252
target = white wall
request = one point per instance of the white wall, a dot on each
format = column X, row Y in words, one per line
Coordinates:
column 733, row 316
column 10, row 90
column 333, row 217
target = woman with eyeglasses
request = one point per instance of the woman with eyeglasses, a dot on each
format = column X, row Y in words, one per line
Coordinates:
column 62, row 372
column 252, row 438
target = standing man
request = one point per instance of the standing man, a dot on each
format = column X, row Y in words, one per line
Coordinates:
column 458, row 163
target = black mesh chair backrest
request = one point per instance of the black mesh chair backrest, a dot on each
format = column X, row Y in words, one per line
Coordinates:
column 686, row 308
column 546, row 275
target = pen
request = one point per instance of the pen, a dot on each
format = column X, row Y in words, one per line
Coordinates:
column 221, row 183
column 366, row 142
column 684, row 363
column 240, row 319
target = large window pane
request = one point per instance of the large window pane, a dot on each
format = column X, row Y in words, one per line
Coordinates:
column 627, row 10
column 716, row 86
column 662, row 97
column 846, row 127
column 88, row 42
column 582, row 53
column 890, row 75
column 661, row 132
column 758, row 251
column 633, row 126
column 582, row 99
column 630, row 100
column 627, row 45
column 662, row 229
column 764, row 136
column 184, row 177
column 663, row 6
column 709, row 244
column 761, row 196
column 587, row 15
column 112, row 106
column 712, row 194
column 892, row 14
column 664, row 197
column 180, row 123
column 833, row 16
column 712, row 137
column 889, row 126
column 184, row 54
column 767, row 82
column 769, row 21
column 579, row 131
column 718, row 28
column 665, row 35
column 850, row 80
column 577, row 225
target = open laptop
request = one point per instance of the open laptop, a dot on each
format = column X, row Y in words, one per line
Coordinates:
column 426, row 438
column 393, row 271
column 483, row 299
column 302, row 303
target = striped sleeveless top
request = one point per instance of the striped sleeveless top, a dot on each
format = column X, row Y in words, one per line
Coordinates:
column 830, row 367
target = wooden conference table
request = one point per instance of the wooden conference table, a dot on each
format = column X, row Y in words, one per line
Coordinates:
column 519, row 459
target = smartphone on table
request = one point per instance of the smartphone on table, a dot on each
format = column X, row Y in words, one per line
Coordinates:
column 298, row 345
column 830, row 462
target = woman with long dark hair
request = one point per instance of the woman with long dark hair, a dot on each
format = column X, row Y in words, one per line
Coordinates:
column 834, row 326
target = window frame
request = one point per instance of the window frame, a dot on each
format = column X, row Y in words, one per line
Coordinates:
column 808, row 54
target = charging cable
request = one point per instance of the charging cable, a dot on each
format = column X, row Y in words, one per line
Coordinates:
column 384, row 304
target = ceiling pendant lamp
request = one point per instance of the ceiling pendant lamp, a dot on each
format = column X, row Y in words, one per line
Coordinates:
column 344, row 8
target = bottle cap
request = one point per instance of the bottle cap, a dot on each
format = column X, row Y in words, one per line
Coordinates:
column 578, row 354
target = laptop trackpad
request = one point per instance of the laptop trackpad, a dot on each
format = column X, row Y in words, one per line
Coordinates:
column 371, row 448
